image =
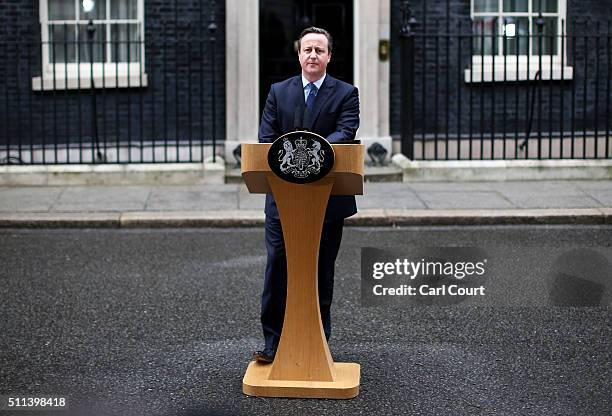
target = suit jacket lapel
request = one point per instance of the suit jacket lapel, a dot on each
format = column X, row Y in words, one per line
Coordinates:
column 324, row 93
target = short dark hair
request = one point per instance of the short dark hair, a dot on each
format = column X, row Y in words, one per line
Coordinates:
column 318, row 30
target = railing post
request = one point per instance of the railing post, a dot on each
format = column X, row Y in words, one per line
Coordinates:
column 407, row 80
column 212, row 30
column 97, row 156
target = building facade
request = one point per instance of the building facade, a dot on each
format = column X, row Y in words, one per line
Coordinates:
column 174, row 80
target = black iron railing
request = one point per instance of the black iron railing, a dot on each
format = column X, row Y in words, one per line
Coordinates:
column 119, row 101
column 471, row 93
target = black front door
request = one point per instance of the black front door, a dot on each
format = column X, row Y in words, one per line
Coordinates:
column 281, row 22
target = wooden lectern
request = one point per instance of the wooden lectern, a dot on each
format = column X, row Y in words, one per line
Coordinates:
column 303, row 366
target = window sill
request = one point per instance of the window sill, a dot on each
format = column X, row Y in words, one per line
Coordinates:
column 48, row 83
column 496, row 74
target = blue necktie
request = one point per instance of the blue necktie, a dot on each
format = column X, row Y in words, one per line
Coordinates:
column 311, row 95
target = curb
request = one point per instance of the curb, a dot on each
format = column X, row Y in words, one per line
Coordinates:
column 367, row 218
column 389, row 217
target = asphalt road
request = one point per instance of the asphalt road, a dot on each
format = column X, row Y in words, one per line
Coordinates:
column 163, row 322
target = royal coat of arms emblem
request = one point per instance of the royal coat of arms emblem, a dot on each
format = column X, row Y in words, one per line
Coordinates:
column 301, row 157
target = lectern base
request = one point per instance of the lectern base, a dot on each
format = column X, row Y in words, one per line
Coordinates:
column 346, row 385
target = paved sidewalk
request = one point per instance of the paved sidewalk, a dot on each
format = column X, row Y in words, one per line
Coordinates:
column 383, row 203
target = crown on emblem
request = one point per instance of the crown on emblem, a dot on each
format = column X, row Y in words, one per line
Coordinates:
column 301, row 143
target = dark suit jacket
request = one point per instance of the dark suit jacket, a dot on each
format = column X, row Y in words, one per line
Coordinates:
column 335, row 116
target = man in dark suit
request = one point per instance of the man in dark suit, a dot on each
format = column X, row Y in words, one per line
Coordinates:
column 329, row 107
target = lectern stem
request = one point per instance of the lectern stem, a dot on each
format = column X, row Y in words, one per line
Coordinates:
column 303, row 353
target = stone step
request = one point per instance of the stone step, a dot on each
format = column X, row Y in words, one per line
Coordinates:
column 388, row 173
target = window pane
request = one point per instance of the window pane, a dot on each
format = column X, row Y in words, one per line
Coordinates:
column 517, row 35
column 123, row 35
column 124, row 9
column 545, row 6
column 481, row 6
column 61, row 9
column 514, row 6
column 98, row 12
column 97, row 43
column 62, row 47
column 487, row 34
column 549, row 37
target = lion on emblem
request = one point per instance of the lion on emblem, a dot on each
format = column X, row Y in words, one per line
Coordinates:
column 286, row 159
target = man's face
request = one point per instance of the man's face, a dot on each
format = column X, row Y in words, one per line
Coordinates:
column 314, row 55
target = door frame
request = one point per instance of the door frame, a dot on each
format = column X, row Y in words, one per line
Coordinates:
column 371, row 23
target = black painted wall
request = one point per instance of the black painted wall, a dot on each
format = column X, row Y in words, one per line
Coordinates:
column 186, row 112
column 167, row 21
column 433, row 18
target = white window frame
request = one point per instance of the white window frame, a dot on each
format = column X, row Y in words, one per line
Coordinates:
column 503, row 68
column 61, row 75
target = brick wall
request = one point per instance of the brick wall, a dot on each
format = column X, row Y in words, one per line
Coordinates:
column 488, row 99
column 175, row 33
column 183, row 22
